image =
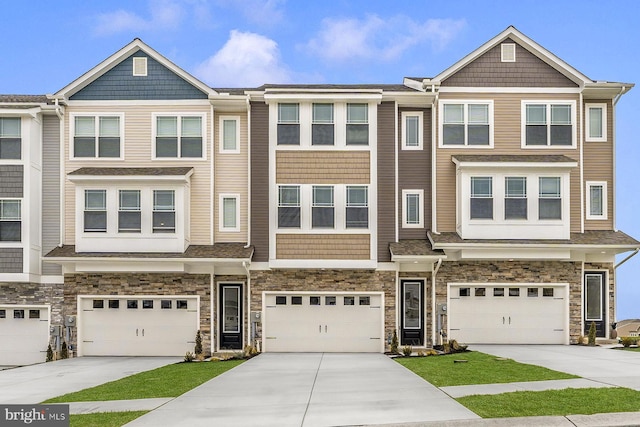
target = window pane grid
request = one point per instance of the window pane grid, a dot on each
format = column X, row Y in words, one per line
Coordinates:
column 413, row 209
column 322, row 113
column 163, row 200
column 229, row 209
column 596, row 195
column 288, row 113
column 229, row 134
column 412, row 131
column 357, row 113
column 10, row 127
column 129, row 200
column 10, row 210
column 595, row 122
column 191, row 127
column 95, row 200
column 110, row 127
column 167, row 127
column 357, row 196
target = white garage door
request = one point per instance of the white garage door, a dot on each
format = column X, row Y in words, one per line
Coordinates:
column 137, row 325
column 323, row 322
column 24, row 334
column 508, row 313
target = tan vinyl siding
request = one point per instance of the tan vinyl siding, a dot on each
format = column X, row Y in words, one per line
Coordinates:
column 507, row 140
column 260, row 181
column 231, row 177
column 323, row 246
column 138, row 145
column 386, row 179
column 322, row 167
column 598, row 166
column 50, row 190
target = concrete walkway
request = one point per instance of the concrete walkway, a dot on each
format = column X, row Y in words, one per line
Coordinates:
column 468, row 390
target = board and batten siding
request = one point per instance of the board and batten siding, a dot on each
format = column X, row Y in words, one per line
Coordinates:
column 414, row 173
column 138, row 146
column 323, row 246
column 231, row 177
column 260, row 181
column 50, row 190
column 322, row 167
column 598, row 166
column 507, row 141
column 386, row 172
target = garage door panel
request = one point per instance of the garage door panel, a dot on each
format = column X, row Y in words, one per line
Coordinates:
column 24, row 340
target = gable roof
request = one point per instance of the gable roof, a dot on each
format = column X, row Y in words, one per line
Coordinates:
column 113, row 60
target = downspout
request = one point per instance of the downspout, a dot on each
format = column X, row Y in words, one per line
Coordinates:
column 212, row 187
column 613, row 137
column 582, row 183
column 626, row 259
column 434, row 144
column 434, row 314
column 248, row 172
column 62, row 195
column 250, row 339
column 397, row 206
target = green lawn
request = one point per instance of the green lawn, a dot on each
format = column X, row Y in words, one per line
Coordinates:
column 628, row 348
column 167, row 381
column 481, row 368
column 554, row 402
column 104, row 419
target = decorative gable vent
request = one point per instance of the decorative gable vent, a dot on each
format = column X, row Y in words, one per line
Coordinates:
column 508, row 52
column 139, row 66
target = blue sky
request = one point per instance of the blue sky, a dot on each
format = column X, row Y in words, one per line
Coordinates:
column 229, row 43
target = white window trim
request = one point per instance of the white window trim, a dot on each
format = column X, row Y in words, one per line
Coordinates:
column 503, row 50
column 465, row 102
column 604, row 215
column 404, row 116
column 587, row 109
column 15, row 243
column 143, row 63
column 221, row 198
column 523, row 125
column 221, row 134
column 154, row 125
column 96, row 116
column 420, row 194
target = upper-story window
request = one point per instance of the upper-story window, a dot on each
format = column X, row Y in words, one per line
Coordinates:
column 467, row 124
column 412, row 130
column 10, row 221
column 596, row 200
column 549, row 198
column 95, row 211
column 357, row 208
column 10, row 138
column 322, row 132
column 549, row 124
column 596, row 122
column 288, row 124
column 515, row 197
column 289, row 206
column 164, row 211
column 97, row 136
column 323, row 209
column 357, row 124
column 412, row 208
column 481, row 206
column 179, row 136
column 229, row 212
column 229, row 134
column 129, row 213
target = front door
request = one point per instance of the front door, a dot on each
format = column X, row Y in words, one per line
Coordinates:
column 595, row 307
column 412, row 319
column 230, row 310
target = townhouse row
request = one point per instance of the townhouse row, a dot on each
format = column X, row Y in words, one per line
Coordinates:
column 139, row 205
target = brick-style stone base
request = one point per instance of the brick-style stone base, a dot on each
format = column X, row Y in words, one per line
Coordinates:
column 34, row 293
column 326, row 281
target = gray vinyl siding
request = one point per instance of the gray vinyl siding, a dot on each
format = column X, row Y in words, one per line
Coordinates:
column 488, row 70
column 414, row 173
column 386, row 179
column 11, row 181
column 50, row 190
column 119, row 83
column 260, row 181
column 11, row 260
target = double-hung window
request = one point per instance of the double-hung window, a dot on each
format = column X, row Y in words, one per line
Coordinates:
column 515, row 197
column 596, row 200
column 288, row 124
column 549, row 198
column 412, row 130
column 229, row 212
column 323, row 210
column 129, row 214
column 96, row 136
column 10, row 221
column 357, row 207
column 164, row 211
column 412, row 208
column 179, row 137
column 289, row 206
column 548, row 124
column 466, row 124
column 10, row 138
column 322, row 132
column 95, row 211
column 357, row 124
column 229, row 134
column 481, row 203
column 596, row 123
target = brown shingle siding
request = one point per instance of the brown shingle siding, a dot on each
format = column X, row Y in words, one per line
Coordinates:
column 386, row 179
column 259, row 141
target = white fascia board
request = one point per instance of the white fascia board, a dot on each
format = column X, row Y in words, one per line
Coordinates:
column 410, row 99
column 413, row 84
column 333, row 96
column 510, row 89
column 493, row 246
column 417, row 258
column 130, row 178
column 514, row 165
column 519, row 254
column 205, row 103
column 325, row 263
column 33, row 111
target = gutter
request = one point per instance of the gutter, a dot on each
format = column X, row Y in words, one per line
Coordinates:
column 434, row 273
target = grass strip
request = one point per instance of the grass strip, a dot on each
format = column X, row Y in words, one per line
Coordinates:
column 167, row 381
column 481, row 368
column 569, row 401
column 104, row 419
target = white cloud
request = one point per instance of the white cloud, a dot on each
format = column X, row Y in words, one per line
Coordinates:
column 345, row 39
column 163, row 14
column 246, row 59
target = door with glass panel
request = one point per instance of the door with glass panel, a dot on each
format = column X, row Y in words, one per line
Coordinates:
column 412, row 313
column 230, row 316
column 595, row 307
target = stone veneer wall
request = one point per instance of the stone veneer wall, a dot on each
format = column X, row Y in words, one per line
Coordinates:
column 327, row 281
column 34, row 293
column 518, row 272
column 428, row 303
column 216, row 306
column 611, row 294
column 141, row 284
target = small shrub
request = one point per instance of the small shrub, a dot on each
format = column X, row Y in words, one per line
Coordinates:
column 580, row 340
column 64, row 353
column 446, row 348
column 407, row 350
column 394, row 342
column 200, row 357
column 431, row 352
column 49, row 354
column 628, row 341
column 250, row 351
column 188, row 357
column 421, row 353
column 592, row 334
column 198, row 348
column 455, row 347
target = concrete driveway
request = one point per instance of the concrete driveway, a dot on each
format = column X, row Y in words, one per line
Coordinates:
column 605, row 365
column 310, row 389
column 35, row 383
